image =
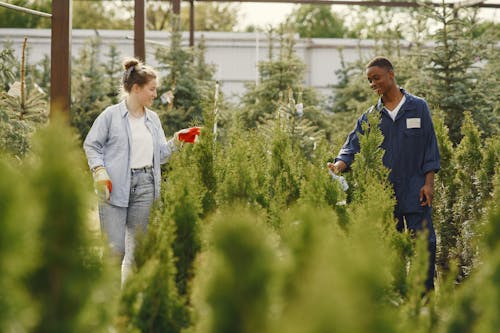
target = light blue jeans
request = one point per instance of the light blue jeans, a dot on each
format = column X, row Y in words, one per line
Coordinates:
column 120, row 225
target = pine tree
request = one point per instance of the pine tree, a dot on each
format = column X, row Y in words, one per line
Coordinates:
column 17, row 307
column 241, row 169
column 112, row 74
column 8, row 64
column 454, row 67
column 447, row 230
column 89, row 97
column 22, row 110
column 466, row 208
column 237, row 275
column 474, row 307
column 66, row 282
column 189, row 80
column 150, row 301
column 282, row 71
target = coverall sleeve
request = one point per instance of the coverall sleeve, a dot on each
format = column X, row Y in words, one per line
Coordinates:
column 351, row 145
column 431, row 153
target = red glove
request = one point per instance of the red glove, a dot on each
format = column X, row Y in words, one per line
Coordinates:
column 188, row 134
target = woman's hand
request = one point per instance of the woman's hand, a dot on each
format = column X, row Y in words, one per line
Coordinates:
column 189, row 135
column 102, row 183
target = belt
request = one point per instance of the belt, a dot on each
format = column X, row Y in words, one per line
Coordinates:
column 143, row 169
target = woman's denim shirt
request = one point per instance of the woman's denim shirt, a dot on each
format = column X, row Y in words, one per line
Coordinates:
column 108, row 143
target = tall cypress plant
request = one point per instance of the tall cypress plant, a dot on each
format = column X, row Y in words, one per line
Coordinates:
column 69, row 274
column 467, row 206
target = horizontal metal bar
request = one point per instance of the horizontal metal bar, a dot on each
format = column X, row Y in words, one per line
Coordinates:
column 24, row 10
column 363, row 3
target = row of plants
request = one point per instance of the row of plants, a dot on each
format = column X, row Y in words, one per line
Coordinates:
column 251, row 233
column 248, row 235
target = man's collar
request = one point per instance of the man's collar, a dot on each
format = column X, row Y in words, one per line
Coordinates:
column 409, row 100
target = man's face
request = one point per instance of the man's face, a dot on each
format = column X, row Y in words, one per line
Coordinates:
column 381, row 79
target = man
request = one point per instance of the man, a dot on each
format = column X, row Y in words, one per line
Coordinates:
column 410, row 152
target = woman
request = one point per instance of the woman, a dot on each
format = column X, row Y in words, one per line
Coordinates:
column 125, row 148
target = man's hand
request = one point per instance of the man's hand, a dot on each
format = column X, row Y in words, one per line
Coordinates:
column 427, row 191
column 337, row 167
column 102, row 183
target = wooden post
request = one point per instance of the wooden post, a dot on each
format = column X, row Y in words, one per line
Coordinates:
column 176, row 7
column 60, row 55
column 139, row 30
column 191, row 23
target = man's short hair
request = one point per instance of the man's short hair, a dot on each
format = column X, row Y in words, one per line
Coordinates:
column 382, row 62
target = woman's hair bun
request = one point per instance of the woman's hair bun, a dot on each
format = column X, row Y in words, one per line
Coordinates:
column 130, row 62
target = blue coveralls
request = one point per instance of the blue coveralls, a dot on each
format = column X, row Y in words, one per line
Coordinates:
column 410, row 151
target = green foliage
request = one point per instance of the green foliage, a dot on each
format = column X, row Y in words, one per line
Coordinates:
column 100, row 15
column 22, row 110
column 307, row 250
column 336, row 276
column 10, row 18
column 189, row 79
column 94, row 86
column 150, row 301
column 285, row 171
column 455, row 69
column 445, row 197
column 241, row 170
column 8, row 64
column 466, row 209
column 317, row 21
column 352, row 91
column 367, row 168
column 475, row 305
column 17, row 308
column 66, row 280
column 237, row 275
column 456, row 75
column 277, row 75
column 204, row 155
column 184, row 193
column 211, row 16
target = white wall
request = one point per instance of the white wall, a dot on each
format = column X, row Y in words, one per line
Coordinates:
column 235, row 55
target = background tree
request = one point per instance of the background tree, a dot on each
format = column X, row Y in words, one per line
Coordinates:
column 102, row 15
column 69, row 272
column 23, row 108
column 211, row 16
column 317, row 21
column 187, row 81
column 454, row 68
column 282, row 71
column 10, row 18
column 8, row 65
column 208, row 16
column 90, row 89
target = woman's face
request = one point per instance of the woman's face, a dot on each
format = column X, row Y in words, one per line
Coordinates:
column 146, row 94
column 380, row 79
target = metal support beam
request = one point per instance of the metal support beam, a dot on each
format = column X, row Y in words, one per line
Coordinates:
column 139, row 30
column 60, row 55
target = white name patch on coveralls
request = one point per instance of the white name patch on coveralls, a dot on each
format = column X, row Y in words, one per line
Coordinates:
column 413, row 123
